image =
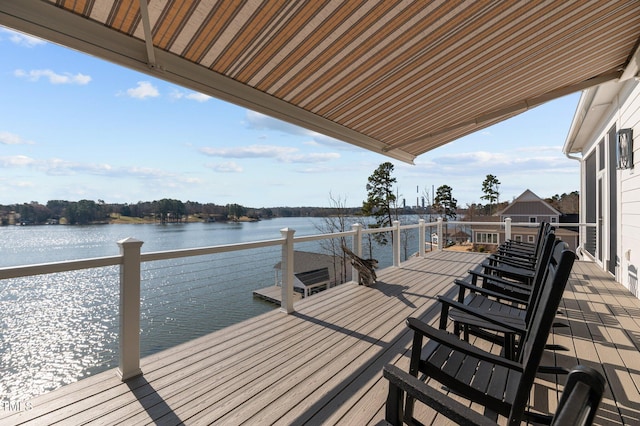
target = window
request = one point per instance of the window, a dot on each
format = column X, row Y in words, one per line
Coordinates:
column 486, row 237
column 518, row 238
column 532, row 219
column 531, row 238
column 554, row 220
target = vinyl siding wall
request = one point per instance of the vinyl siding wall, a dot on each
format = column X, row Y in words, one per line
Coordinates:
column 627, row 209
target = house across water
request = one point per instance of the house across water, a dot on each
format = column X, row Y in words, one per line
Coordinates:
column 527, row 208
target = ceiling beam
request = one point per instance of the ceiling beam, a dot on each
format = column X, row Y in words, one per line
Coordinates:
column 148, row 36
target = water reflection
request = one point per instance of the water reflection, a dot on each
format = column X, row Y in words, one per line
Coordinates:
column 59, row 328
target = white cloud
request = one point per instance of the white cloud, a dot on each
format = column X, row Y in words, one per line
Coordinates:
column 227, row 167
column 22, row 39
column 280, row 153
column 53, row 77
column 143, row 90
column 310, row 158
column 199, row 97
column 7, row 138
column 23, row 184
column 16, row 161
column 193, row 96
column 251, row 151
column 256, row 120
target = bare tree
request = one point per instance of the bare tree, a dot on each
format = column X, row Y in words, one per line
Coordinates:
column 339, row 222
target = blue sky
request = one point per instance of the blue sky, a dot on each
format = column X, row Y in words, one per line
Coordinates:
column 75, row 127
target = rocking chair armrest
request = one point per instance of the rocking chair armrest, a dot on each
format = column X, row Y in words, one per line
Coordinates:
column 520, row 250
column 513, row 260
column 503, row 267
column 498, row 280
column 480, row 314
column 400, row 380
column 487, row 292
column 525, row 276
column 452, row 341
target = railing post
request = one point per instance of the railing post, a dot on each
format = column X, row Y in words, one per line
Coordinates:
column 129, row 308
column 396, row 243
column 507, row 229
column 286, row 304
column 440, row 234
column 357, row 249
column 421, row 237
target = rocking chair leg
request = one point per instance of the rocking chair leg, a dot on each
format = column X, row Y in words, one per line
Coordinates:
column 393, row 410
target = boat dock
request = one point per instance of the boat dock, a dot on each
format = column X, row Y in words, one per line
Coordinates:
column 273, row 294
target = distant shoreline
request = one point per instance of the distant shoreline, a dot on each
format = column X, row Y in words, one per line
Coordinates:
column 128, row 220
column 191, row 219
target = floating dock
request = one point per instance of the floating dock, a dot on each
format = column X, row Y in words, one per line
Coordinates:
column 273, row 294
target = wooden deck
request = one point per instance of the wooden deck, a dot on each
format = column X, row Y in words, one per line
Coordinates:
column 323, row 364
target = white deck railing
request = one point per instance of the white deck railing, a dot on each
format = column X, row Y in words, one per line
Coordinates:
column 131, row 258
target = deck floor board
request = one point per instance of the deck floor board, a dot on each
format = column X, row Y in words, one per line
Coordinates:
column 323, row 364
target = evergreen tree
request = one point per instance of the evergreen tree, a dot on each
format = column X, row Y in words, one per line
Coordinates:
column 380, row 199
column 491, row 189
column 444, row 203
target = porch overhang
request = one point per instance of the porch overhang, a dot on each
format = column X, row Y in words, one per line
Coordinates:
column 394, row 77
column 596, row 104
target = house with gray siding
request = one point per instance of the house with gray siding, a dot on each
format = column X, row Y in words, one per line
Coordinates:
column 527, row 208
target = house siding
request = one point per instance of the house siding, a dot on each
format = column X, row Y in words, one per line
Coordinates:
column 627, row 208
column 629, row 203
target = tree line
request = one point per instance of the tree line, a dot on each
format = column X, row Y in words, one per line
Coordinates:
column 166, row 210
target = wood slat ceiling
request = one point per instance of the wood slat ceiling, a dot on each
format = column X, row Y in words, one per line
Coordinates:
column 396, row 77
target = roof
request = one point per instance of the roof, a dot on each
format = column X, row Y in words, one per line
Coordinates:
column 304, row 261
column 529, row 203
column 396, row 77
column 596, row 105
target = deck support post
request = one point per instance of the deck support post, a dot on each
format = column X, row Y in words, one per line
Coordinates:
column 396, row 243
column 421, row 237
column 357, row 249
column 440, row 235
column 507, row 229
column 129, row 334
column 286, row 305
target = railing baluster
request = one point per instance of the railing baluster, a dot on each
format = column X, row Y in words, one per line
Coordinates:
column 396, row 243
column 287, row 271
column 357, row 249
column 421, row 237
column 130, row 308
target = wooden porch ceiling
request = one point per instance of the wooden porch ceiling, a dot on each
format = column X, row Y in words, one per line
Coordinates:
column 323, row 364
column 395, row 77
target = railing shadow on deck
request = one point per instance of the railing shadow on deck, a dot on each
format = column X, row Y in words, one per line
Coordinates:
column 338, row 328
column 154, row 405
column 396, row 347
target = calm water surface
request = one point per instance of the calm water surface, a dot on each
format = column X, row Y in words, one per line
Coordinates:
column 56, row 329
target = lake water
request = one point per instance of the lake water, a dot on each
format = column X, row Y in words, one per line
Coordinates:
column 59, row 328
